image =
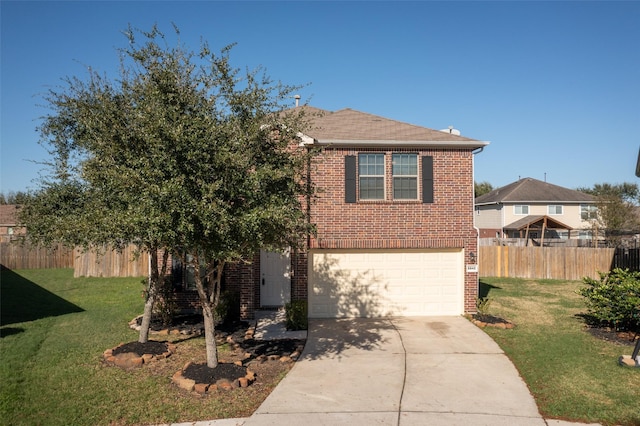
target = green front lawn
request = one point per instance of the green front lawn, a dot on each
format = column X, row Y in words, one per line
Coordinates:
column 571, row 374
column 54, row 331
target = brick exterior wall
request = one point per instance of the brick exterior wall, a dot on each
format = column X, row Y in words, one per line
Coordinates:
column 389, row 224
column 381, row 224
column 245, row 279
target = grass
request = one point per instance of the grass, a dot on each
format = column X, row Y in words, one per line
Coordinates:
column 54, row 331
column 572, row 374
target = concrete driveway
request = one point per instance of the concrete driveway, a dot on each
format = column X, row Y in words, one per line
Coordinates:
column 401, row 371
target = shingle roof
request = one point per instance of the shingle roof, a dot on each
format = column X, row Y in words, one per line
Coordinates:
column 8, row 216
column 351, row 125
column 533, row 190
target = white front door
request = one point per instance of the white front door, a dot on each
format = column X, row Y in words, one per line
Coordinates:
column 275, row 278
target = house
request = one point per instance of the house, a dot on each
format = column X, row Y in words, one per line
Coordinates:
column 394, row 216
column 9, row 229
column 528, row 207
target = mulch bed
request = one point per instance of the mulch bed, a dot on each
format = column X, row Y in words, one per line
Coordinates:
column 150, row 347
column 203, row 374
column 627, row 338
column 248, row 359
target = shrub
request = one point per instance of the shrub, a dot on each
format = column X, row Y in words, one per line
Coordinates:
column 228, row 309
column 614, row 299
column 482, row 305
column 296, row 315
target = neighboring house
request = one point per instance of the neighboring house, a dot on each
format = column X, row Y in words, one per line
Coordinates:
column 394, row 216
column 9, row 229
column 523, row 209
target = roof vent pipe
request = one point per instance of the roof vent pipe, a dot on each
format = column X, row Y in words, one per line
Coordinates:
column 451, row 131
column 297, row 98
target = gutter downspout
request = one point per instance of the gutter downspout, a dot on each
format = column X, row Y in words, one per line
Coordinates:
column 477, row 256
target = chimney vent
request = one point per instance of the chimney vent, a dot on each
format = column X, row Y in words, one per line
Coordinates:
column 297, row 98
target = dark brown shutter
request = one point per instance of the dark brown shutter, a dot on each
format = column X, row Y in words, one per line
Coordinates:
column 350, row 179
column 427, row 179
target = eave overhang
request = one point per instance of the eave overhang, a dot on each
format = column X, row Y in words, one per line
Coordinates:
column 346, row 143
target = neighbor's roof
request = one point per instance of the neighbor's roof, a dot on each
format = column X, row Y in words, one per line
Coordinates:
column 535, row 191
column 8, row 214
column 350, row 127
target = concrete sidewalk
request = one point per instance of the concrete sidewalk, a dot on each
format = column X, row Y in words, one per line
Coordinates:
column 400, row 371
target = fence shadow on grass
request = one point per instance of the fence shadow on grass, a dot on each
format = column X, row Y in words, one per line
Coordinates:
column 485, row 288
column 23, row 300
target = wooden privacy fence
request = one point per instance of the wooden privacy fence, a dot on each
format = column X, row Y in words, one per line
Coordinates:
column 627, row 258
column 126, row 263
column 562, row 263
column 15, row 255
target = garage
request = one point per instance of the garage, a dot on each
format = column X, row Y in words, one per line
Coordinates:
column 378, row 283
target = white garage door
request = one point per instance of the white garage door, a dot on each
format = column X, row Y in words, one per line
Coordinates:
column 358, row 283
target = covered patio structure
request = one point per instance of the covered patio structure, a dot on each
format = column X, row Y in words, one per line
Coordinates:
column 537, row 226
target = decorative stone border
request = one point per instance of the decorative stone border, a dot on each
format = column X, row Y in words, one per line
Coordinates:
column 504, row 325
column 128, row 360
column 223, row 384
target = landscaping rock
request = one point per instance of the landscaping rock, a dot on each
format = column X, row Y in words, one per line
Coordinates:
column 128, row 360
column 627, row 361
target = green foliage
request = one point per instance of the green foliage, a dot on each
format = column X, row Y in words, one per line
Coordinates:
column 482, row 305
column 481, row 188
column 165, row 307
column 296, row 313
column 614, row 299
column 14, row 197
column 616, row 208
column 228, row 309
column 182, row 152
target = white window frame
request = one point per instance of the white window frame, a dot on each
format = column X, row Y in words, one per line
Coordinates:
column 555, row 212
column 394, row 158
column 590, row 210
column 521, row 207
column 361, row 175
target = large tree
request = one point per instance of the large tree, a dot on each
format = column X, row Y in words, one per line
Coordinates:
column 182, row 155
column 481, row 188
column 617, row 208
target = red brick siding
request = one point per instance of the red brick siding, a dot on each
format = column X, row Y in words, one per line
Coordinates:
column 389, row 224
column 384, row 224
column 245, row 278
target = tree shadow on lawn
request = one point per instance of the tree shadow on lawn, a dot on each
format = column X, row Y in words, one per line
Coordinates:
column 23, row 300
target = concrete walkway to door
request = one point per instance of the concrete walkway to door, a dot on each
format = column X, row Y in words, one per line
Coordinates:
column 401, row 371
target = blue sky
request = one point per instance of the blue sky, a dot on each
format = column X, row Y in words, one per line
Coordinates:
column 554, row 86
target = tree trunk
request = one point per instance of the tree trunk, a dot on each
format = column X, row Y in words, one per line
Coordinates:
column 152, row 291
column 209, row 335
column 209, row 294
column 143, row 337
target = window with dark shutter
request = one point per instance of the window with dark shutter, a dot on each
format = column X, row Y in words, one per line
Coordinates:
column 427, row 179
column 350, row 175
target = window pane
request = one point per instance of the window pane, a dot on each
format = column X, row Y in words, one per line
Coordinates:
column 372, row 188
column 555, row 209
column 405, row 164
column 588, row 212
column 371, row 164
column 371, row 173
column 405, row 188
